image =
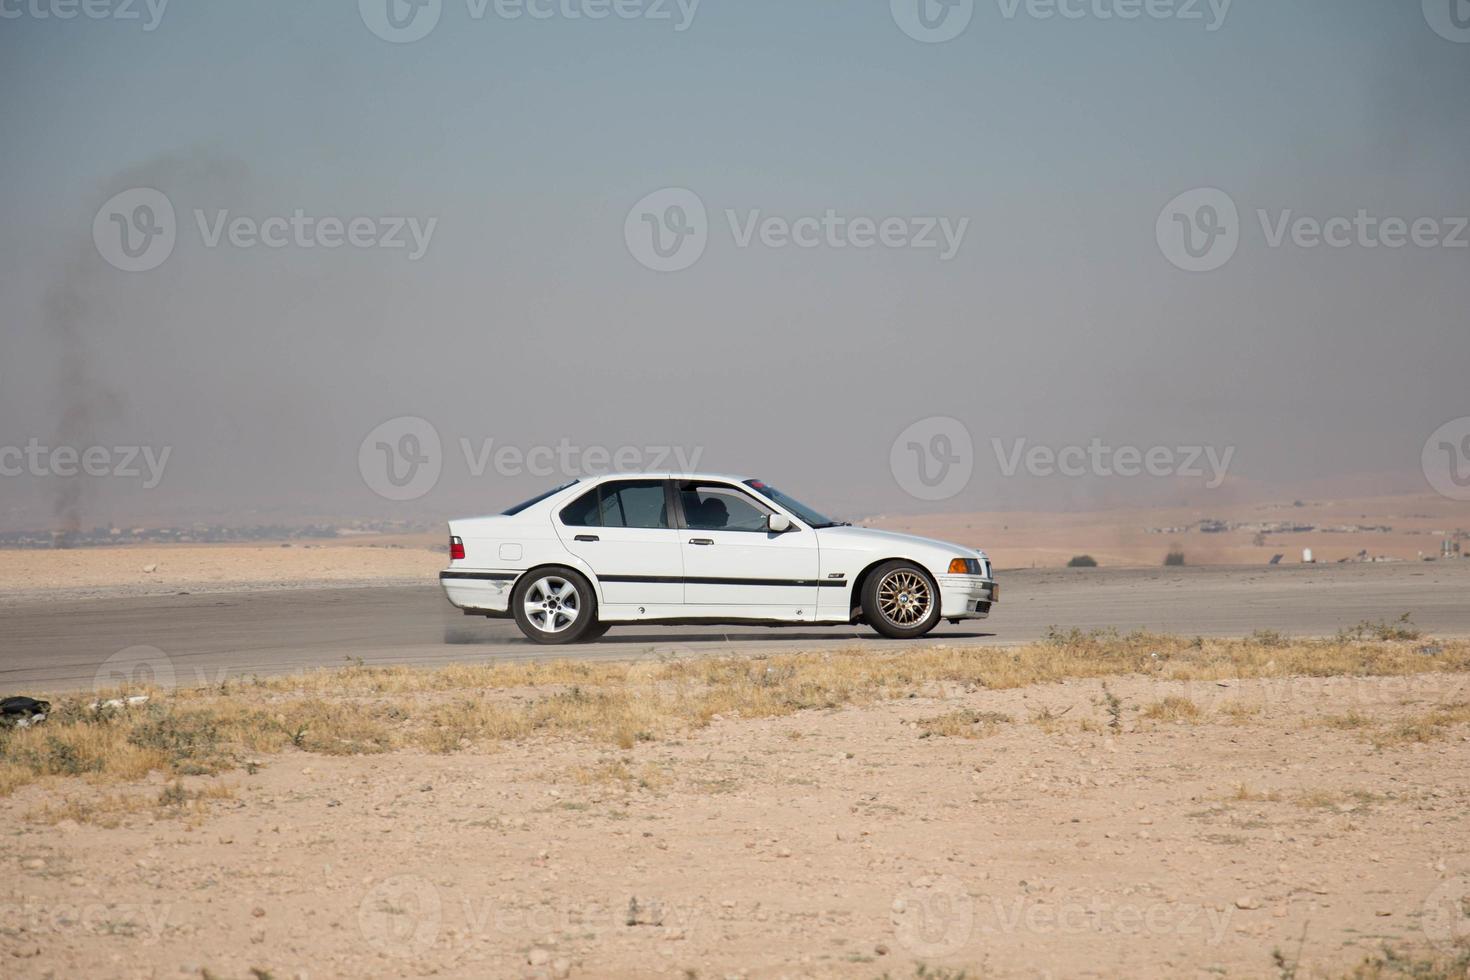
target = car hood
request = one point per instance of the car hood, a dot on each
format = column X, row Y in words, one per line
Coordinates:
column 872, row 539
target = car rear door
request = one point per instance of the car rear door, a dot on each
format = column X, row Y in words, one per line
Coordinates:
column 733, row 565
column 622, row 529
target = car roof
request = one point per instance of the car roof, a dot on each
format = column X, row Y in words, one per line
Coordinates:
column 666, row 475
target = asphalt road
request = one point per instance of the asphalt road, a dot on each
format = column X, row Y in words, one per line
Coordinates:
column 51, row 646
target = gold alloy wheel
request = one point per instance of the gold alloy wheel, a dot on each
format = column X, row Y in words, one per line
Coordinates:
column 904, row 598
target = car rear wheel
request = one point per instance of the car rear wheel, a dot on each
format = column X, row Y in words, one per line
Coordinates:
column 900, row 600
column 554, row 605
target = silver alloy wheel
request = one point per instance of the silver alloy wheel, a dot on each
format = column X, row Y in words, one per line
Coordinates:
column 552, row 604
column 904, row 598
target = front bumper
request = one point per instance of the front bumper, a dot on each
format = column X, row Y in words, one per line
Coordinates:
column 478, row 593
column 967, row 596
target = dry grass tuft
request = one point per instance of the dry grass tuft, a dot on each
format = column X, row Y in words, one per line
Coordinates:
column 1173, row 708
column 965, row 723
column 355, row 709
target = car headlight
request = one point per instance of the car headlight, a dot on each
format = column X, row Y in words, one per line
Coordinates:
column 965, row 566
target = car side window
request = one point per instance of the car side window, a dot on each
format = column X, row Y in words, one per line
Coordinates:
column 624, row 503
column 717, row 507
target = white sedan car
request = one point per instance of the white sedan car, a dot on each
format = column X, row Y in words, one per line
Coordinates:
column 680, row 549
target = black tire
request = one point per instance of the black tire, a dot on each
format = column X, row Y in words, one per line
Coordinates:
column 908, row 608
column 596, row 631
column 544, row 585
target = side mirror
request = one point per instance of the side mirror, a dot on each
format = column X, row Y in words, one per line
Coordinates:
column 778, row 523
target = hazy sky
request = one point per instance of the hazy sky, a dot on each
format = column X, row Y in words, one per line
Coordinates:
column 1053, row 143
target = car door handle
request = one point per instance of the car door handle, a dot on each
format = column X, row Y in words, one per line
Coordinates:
column 701, row 541
column 588, row 537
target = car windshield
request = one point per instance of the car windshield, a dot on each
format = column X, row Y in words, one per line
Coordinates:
column 796, row 507
column 535, row 500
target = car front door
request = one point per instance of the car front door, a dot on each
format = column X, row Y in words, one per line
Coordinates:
column 623, row 530
column 733, row 565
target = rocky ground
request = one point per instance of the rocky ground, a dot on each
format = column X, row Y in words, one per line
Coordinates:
column 1059, row 830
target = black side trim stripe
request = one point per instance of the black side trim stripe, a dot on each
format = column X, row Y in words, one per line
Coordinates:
column 828, row 583
column 702, row 580
column 480, row 576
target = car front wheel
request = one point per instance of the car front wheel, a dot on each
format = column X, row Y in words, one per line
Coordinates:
column 900, row 600
column 554, row 605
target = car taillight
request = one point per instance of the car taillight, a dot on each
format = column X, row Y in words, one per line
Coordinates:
column 456, row 549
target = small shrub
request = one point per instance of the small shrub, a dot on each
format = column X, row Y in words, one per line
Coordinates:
column 1174, row 558
column 1082, row 561
column 1399, row 629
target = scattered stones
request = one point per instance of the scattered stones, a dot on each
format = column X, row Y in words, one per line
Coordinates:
column 1247, row 902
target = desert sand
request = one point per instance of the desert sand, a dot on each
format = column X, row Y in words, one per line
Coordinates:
column 838, row 843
